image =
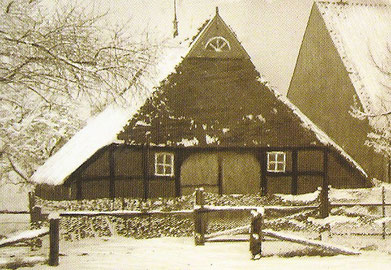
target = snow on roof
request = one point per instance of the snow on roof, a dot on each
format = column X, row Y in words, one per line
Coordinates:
column 103, row 129
column 361, row 32
column 320, row 134
column 99, row 132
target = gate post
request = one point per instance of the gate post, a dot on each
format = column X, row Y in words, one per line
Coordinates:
column 199, row 218
column 36, row 216
column 256, row 234
column 324, row 202
column 54, row 236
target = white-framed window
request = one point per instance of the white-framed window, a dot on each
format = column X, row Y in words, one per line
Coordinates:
column 164, row 164
column 217, row 44
column 276, row 161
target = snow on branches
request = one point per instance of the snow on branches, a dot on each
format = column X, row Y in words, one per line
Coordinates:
column 56, row 68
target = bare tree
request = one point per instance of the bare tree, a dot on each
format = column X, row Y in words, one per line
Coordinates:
column 379, row 117
column 51, row 65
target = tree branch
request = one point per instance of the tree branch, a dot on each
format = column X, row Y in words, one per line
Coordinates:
column 18, row 172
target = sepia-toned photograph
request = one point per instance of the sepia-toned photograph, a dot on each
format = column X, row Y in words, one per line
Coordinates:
column 195, row 134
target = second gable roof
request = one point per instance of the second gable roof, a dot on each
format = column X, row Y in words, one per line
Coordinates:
column 361, row 32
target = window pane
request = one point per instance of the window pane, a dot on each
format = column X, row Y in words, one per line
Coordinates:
column 159, row 169
column 169, row 170
column 280, row 167
column 270, row 166
column 280, row 157
column 160, row 158
column 168, row 159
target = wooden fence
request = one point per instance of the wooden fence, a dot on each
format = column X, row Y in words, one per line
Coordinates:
column 199, row 212
column 54, row 237
column 255, row 229
column 381, row 204
column 200, row 224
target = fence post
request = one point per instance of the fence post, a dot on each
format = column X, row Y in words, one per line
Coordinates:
column 31, row 201
column 324, row 201
column 36, row 215
column 54, row 235
column 199, row 218
column 256, row 234
column 31, row 206
column 383, row 196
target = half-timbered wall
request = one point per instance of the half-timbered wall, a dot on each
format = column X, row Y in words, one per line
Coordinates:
column 126, row 171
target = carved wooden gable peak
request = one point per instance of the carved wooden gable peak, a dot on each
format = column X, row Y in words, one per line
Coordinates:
column 217, row 40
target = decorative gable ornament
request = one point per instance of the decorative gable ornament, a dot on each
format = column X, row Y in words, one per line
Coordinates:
column 218, row 44
column 217, row 40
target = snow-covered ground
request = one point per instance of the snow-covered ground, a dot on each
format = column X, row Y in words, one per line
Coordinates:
column 11, row 223
column 118, row 252
column 181, row 253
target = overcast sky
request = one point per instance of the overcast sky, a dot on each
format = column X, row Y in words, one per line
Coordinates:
column 270, row 30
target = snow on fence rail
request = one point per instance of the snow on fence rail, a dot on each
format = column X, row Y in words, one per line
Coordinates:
column 123, row 213
column 255, row 229
column 314, row 243
column 54, row 237
column 14, row 212
column 24, row 236
column 355, row 196
column 211, row 208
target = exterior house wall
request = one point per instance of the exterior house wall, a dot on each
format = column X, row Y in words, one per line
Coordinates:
column 322, row 90
column 341, row 176
column 95, row 189
column 128, row 162
column 280, row 184
column 99, row 166
column 218, row 171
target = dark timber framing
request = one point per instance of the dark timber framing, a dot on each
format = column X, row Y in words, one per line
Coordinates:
column 112, row 172
column 220, row 174
column 145, row 162
column 180, row 155
column 294, row 171
column 178, row 160
column 263, row 162
column 79, row 194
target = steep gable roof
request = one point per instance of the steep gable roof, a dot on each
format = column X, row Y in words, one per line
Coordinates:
column 361, row 33
column 215, row 100
column 207, row 101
